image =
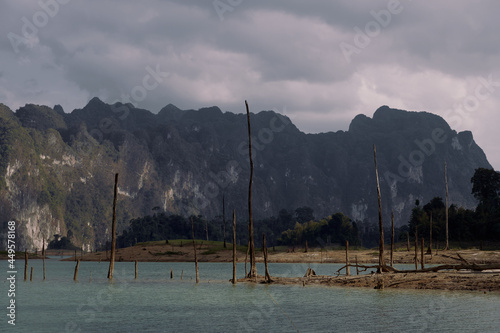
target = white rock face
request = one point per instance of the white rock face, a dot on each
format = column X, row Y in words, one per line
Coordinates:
column 34, row 222
column 358, row 211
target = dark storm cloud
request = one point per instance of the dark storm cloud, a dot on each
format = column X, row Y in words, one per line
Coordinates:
column 285, row 55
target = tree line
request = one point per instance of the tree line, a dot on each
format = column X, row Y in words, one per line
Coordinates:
column 465, row 225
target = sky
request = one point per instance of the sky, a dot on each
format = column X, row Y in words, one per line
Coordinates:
column 320, row 62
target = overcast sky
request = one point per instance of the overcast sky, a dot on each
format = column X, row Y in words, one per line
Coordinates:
column 320, row 62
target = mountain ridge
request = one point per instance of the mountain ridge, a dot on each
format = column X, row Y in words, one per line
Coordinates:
column 183, row 160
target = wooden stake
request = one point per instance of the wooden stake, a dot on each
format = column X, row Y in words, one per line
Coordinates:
column 234, row 247
column 416, row 249
column 357, row 268
column 195, row 257
column 76, row 269
column 31, row 274
column 25, row 264
column 381, row 262
column 171, row 273
column 136, row 269
column 347, row 269
column 90, row 277
column 113, row 232
column 224, row 219
column 429, row 251
column 392, row 238
column 408, row 241
column 206, row 228
column 182, row 274
column 422, row 253
column 264, row 251
column 306, row 246
column 246, row 255
column 43, row 255
column 446, row 203
column 253, row 264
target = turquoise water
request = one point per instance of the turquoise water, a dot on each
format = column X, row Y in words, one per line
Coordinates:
column 155, row 303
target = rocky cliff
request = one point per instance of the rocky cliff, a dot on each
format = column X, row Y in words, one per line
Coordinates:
column 57, row 169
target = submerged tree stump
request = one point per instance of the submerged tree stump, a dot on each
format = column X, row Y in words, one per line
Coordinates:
column 76, row 269
column 347, row 270
column 234, row 247
column 113, row 231
column 195, row 257
column 264, row 251
column 25, row 264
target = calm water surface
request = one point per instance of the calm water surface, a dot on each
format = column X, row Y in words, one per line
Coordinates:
column 155, row 303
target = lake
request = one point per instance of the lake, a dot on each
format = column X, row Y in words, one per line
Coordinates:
column 156, row 303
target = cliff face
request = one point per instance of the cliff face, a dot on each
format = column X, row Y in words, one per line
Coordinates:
column 57, row 169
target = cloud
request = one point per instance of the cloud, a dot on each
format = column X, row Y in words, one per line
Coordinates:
column 278, row 55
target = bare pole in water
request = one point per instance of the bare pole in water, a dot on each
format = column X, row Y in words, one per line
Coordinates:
column 195, row 257
column 381, row 262
column 43, row 255
column 113, row 232
column 224, row 218
column 25, row 264
column 347, row 269
column 392, row 238
column 446, row 203
column 234, row 246
column 253, row 265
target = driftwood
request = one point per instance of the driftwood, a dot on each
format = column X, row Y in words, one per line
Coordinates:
column 364, row 268
column 472, row 267
column 310, row 272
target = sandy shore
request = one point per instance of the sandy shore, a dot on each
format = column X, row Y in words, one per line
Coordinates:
column 177, row 251
column 483, row 282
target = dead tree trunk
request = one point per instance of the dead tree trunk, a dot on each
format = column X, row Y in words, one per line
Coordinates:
column 408, row 241
column 234, row 246
column 416, row 249
column 429, row 250
column 422, row 254
column 76, row 269
column 253, row 265
column 206, row 228
column 267, row 277
column 195, row 257
column 43, row 255
column 446, row 203
column 246, row 257
column 347, row 270
column 392, row 238
column 224, row 219
column 306, row 250
column 381, row 262
column 25, row 264
column 113, row 232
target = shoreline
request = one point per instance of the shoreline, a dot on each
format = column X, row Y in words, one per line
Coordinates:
column 452, row 280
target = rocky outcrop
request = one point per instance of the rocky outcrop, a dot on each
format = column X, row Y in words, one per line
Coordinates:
column 57, row 169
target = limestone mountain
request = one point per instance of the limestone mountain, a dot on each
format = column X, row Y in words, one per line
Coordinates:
column 57, row 169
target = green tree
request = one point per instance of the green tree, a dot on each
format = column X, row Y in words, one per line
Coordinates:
column 304, row 214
